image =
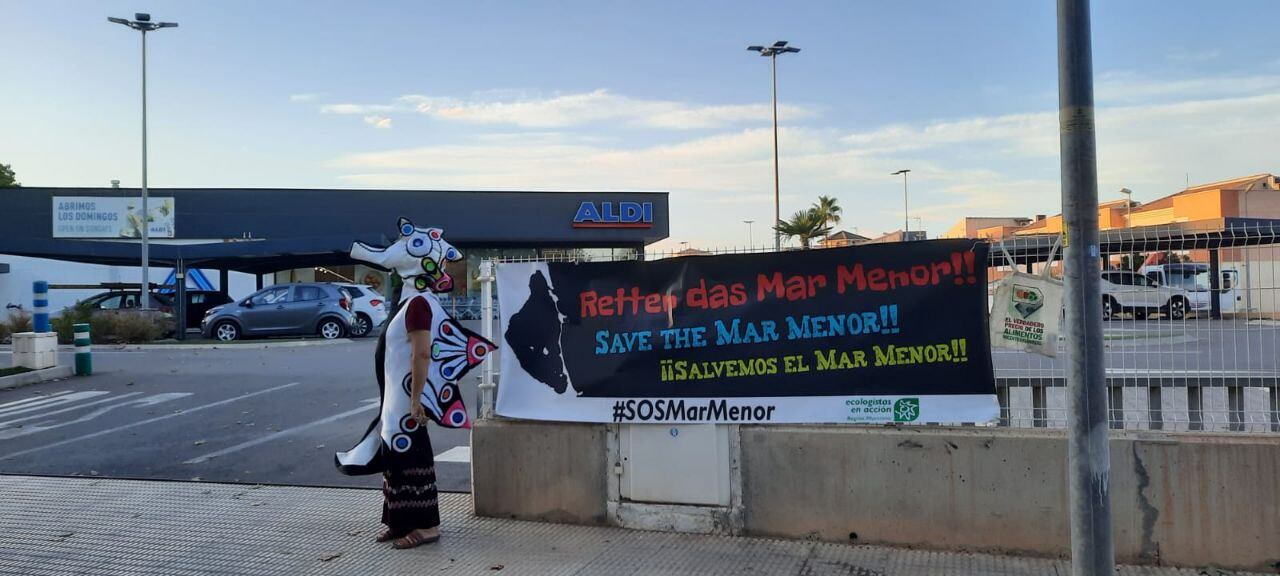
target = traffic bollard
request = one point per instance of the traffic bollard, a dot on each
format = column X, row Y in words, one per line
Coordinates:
column 40, row 307
column 84, row 352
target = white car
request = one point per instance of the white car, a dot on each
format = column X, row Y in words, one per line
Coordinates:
column 368, row 306
column 1194, row 278
column 1133, row 293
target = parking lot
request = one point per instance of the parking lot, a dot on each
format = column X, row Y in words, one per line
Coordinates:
column 276, row 414
column 238, row 413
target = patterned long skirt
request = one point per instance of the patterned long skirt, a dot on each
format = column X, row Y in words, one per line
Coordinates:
column 409, row 487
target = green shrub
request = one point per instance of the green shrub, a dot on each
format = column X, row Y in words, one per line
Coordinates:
column 113, row 327
column 64, row 323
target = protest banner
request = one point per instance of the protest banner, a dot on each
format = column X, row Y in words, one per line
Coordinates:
column 868, row 334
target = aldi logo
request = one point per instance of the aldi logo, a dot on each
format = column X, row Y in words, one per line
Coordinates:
column 614, row 215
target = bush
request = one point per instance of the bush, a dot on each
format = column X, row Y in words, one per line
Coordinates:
column 17, row 321
column 113, row 327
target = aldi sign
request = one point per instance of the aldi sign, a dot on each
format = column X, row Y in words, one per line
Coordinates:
column 614, row 215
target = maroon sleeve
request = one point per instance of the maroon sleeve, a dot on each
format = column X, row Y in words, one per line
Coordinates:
column 418, row 316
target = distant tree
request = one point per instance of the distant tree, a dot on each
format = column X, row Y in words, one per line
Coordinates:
column 7, row 178
column 805, row 225
column 829, row 210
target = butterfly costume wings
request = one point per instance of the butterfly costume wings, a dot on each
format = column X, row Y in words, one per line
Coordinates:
column 418, row 257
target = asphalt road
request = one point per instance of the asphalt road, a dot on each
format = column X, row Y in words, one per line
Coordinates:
column 277, row 415
column 1179, row 347
column 273, row 415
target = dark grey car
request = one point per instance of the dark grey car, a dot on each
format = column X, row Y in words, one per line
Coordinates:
column 282, row 310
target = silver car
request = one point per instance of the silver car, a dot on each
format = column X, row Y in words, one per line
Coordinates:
column 283, row 310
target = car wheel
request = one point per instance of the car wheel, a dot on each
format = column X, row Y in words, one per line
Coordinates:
column 1177, row 309
column 330, row 329
column 362, row 327
column 226, row 331
column 1110, row 309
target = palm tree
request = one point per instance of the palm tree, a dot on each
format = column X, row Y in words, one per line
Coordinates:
column 829, row 209
column 804, row 225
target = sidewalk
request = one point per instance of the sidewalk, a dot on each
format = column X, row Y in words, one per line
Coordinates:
column 99, row 526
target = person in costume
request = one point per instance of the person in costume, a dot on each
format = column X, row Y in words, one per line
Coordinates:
column 421, row 356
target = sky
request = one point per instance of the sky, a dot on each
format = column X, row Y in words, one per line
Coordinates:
column 658, row 95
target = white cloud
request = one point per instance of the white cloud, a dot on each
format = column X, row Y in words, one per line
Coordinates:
column 356, row 108
column 378, row 121
column 567, row 110
column 303, row 97
column 987, row 165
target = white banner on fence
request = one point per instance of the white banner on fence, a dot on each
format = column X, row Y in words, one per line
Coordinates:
column 110, row 217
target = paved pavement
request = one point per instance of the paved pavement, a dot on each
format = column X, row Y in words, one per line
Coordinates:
column 234, row 414
column 62, row 526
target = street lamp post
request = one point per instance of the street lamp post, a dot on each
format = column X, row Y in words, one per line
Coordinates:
column 142, row 23
column 750, row 241
column 772, row 52
column 1128, row 215
column 906, row 225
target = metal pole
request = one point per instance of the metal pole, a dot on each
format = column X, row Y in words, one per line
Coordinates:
column 906, row 220
column 180, row 299
column 1089, row 458
column 146, row 223
column 777, row 188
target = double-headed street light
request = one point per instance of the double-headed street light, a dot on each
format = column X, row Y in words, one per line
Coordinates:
column 142, row 23
column 772, row 52
column 906, row 215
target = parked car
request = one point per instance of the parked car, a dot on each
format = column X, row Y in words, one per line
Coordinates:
column 1133, row 293
column 1194, row 278
column 198, row 303
column 288, row 309
column 127, row 300
column 368, row 306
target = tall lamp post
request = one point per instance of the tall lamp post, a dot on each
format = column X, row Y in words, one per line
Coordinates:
column 772, row 52
column 1128, row 214
column 906, row 224
column 750, row 241
column 142, row 23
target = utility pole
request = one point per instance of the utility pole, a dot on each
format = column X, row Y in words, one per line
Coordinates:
column 1089, row 455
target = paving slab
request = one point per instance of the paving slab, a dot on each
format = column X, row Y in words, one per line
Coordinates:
column 63, row 526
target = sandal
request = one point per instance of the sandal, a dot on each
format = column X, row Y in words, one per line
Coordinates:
column 386, row 535
column 414, row 539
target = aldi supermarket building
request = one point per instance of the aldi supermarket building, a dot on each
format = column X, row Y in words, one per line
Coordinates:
column 302, row 235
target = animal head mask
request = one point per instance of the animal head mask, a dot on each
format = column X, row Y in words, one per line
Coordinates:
column 418, row 255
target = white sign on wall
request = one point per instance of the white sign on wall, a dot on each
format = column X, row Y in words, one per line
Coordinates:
column 110, row 217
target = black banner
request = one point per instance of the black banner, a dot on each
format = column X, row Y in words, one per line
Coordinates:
column 902, row 319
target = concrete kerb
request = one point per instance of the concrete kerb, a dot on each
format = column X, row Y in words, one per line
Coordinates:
column 35, row 377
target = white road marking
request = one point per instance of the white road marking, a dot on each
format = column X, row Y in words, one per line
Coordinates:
column 51, row 402
column 32, row 399
column 370, row 404
column 455, row 454
column 10, row 423
column 140, row 403
column 145, row 422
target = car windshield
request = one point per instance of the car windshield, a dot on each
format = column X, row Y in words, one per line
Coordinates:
column 1185, row 278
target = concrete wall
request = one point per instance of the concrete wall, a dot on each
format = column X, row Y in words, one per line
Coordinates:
column 549, row 471
column 1177, row 499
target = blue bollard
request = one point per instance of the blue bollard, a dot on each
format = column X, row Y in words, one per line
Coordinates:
column 40, row 307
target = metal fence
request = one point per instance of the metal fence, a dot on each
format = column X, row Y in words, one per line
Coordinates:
column 1191, row 333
